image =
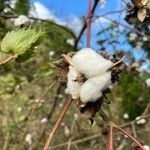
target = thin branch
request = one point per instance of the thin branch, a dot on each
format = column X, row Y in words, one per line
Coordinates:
column 10, row 58
column 110, row 144
column 129, row 123
column 32, row 110
column 88, row 36
column 6, row 16
column 58, row 122
column 84, row 26
column 91, row 137
column 129, row 136
column 77, row 141
column 50, row 113
column 134, row 130
column 126, row 26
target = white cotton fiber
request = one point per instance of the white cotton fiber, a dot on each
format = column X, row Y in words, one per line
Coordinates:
column 92, row 89
column 90, row 63
column 147, row 81
column 73, row 87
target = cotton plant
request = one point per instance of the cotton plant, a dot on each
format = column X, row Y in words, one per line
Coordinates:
column 21, row 20
column 89, row 76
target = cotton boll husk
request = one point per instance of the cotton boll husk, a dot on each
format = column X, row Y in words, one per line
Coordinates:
column 92, row 89
column 90, row 63
column 73, row 87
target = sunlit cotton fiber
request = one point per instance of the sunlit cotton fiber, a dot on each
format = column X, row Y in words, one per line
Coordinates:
column 92, row 89
column 90, row 63
column 73, row 87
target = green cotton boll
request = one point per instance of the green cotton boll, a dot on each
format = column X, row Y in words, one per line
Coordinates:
column 19, row 41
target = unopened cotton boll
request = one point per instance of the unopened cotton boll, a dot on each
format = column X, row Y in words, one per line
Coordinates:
column 73, row 87
column 92, row 89
column 21, row 20
column 90, row 63
column 28, row 138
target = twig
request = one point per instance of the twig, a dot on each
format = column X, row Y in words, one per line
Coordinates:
column 126, row 26
column 6, row 16
column 84, row 26
column 58, row 122
column 147, row 110
column 129, row 123
column 88, row 36
column 33, row 110
column 133, row 130
column 122, row 144
column 78, row 141
column 91, row 137
column 110, row 144
column 8, row 59
column 49, row 114
column 130, row 136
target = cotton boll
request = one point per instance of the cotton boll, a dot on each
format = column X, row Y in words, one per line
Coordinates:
column 146, row 147
column 92, row 89
column 44, row 120
column 90, row 63
column 70, row 42
column 21, row 20
column 73, row 87
column 141, row 121
column 125, row 116
column 28, row 139
column 147, row 81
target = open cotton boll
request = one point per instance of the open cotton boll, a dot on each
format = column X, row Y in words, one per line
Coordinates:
column 73, row 87
column 90, row 63
column 22, row 20
column 92, row 89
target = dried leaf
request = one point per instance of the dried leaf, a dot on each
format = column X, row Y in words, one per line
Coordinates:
column 148, row 5
column 144, row 2
column 139, row 3
column 141, row 14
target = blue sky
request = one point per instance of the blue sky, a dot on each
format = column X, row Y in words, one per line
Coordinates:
column 70, row 12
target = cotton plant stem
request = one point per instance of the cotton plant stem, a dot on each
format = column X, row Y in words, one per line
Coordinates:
column 58, row 122
column 129, row 136
column 110, row 144
column 88, row 36
column 10, row 58
column 85, row 26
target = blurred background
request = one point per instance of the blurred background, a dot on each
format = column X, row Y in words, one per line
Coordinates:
column 31, row 97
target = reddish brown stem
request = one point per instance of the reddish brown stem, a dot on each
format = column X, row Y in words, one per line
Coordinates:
column 129, row 136
column 110, row 145
column 58, row 122
column 88, row 38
